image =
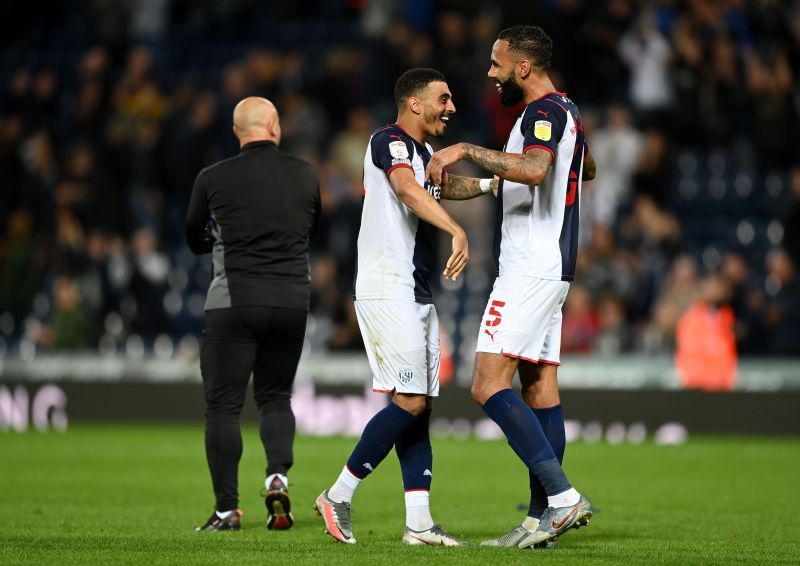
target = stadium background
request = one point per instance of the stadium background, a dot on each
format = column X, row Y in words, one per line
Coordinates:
column 109, row 109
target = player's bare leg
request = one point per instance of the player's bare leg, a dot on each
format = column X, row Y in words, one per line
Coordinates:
column 491, row 388
column 539, row 385
column 413, row 403
column 492, row 373
column 540, row 392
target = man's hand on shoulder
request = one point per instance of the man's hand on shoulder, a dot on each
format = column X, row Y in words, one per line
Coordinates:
column 443, row 159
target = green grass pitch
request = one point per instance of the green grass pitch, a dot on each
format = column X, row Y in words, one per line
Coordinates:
column 112, row 494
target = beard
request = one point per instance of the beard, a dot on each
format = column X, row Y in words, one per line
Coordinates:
column 433, row 118
column 511, row 93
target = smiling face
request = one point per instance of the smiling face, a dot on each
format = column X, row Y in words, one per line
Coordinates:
column 434, row 106
column 502, row 71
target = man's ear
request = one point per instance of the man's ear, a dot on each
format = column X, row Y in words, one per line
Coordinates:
column 524, row 69
column 414, row 104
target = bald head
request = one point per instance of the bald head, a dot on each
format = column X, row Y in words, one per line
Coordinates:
column 256, row 119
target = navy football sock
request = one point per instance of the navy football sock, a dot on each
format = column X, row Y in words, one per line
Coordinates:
column 415, row 454
column 552, row 421
column 527, row 439
column 380, row 434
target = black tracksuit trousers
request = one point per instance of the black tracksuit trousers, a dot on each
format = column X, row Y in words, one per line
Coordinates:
column 237, row 341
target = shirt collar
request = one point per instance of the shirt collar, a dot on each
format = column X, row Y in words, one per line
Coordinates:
column 259, row 143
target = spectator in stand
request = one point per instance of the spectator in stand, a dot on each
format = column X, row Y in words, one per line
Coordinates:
column 304, row 124
column 677, row 297
column 791, row 218
column 706, row 346
column 653, row 236
column 653, row 169
column 615, row 335
column 69, row 328
column 20, row 266
column 606, row 270
column 783, row 304
column 688, row 66
column 747, row 302
column 770, row 81
column 681, row 284
column 617, row 146
column 647, row 53
column 148, row 284
column 580, row 327
column 347, row 148
column 603, row 29
column 721, row 95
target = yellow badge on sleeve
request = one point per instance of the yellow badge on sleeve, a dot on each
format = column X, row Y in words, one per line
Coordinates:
column 543, row 130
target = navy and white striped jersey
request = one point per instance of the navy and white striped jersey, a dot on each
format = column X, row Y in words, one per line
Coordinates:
column 396, row 250
column 536, row 233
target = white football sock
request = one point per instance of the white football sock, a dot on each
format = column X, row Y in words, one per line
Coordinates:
column 530, row 524
column 344, row 488
column 281, row 477
column 565, row 498
column 418, row 511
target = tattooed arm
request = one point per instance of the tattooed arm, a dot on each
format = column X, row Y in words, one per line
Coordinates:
column 529, row 168
column 456, row 187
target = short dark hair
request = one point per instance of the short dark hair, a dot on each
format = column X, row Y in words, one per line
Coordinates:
column 413, row 81
column 530, row 42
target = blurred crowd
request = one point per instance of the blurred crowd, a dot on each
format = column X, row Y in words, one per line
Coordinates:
column 109, row 109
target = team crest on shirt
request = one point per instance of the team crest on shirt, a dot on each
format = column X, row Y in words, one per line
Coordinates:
column 543, row 130
column 406, row 375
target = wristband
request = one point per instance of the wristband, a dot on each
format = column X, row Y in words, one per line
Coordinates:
column 486, row 185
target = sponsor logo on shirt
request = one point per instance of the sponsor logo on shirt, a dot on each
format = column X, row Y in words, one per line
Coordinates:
column 543, row 130
column 434, row 190
column 398, row 150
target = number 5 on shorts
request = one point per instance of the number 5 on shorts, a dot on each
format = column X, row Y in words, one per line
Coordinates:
column 495, row 312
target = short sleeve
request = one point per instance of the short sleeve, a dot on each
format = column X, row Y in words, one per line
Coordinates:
column 391, row 150
column 543, row 126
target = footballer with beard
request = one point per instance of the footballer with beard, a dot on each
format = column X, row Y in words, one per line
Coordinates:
column 540, row 171
column 394, row 304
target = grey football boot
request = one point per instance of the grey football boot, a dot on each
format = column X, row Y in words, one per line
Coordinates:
column 435, row 536
column 557, row 520
column 516, row 538
column 337, row 518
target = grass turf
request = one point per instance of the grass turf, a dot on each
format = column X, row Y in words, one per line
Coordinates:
column 106, row 494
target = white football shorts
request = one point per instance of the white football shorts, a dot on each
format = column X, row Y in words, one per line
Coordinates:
column 402, row 342
column 523, row 319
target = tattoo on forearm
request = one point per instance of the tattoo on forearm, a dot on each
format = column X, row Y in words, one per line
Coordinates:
column 512, row 166
column 461, row 188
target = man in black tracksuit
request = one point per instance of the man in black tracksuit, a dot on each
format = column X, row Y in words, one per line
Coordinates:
column 255, row 213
